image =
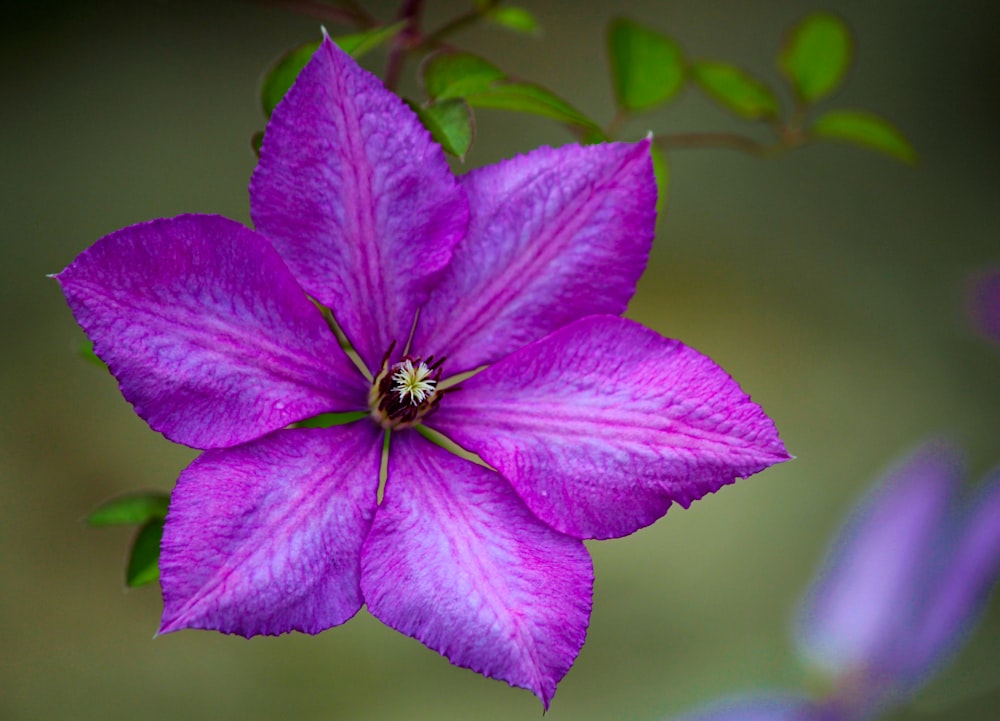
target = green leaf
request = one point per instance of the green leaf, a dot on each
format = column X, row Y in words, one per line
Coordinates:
column 451, row 124
column 662, row 172
column 280, row 77
column 325, row 420
column 534, row 99
column 483, row 85
column 816, row 55
column 458, row 75
column 866, row 129
column 735, row 90
column 132, row 509
column 514, row 18
column 647, row 68
column 143, row 561
column 358, row 44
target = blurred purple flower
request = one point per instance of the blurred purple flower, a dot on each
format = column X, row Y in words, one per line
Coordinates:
column 904, row 581
column 984, row 304
column 592, row 425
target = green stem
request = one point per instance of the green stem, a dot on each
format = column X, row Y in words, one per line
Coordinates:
column 788, row 140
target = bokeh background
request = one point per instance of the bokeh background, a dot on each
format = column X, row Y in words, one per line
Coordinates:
column 829, row 282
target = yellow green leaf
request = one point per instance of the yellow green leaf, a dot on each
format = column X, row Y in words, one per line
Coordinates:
column 647, row 68
column 816, row 55
column 865, row 129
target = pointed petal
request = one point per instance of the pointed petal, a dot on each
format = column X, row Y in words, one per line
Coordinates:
column 554, row 235
column 861, row 609
column 763, row 707
column 208, row 334
column 357, row 199
column 603, row 424
column 455, row 560
column 966, row 573
column 266, row 538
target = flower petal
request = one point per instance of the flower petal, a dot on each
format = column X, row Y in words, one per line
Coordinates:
column 603, row 424
column 966, row 573
column 861, row 609
column 554, row 235
column 357, row 199
column 266, row 538
column 208, row 334
column 455, row 560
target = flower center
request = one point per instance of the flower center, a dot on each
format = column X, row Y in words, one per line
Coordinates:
column 405, row 392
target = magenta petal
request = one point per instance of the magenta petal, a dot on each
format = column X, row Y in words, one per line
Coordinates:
column 207, row 332
column 603, row 424
column 266, row 538
column 965, row 574
column 357, row 199
column 860, row 613
column 455, row 560
column 554, row 235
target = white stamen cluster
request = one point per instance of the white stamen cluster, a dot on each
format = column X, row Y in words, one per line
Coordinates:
column 414, row 382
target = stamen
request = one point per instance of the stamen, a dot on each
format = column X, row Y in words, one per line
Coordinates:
column 406, row 391
column 413, row 382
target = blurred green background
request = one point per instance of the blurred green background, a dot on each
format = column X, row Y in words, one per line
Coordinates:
column 830, row 283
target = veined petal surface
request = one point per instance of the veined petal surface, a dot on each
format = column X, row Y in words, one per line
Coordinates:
column 554, row 235
column 862, row 607
column 357, row 199
column 457, row 561
column 603, row 424
column 207, row 332
column 266, row 538
column 962, row 579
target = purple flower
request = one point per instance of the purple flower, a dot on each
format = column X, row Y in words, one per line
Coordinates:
column 903, row 584
column 904, row 581
column 587, row 425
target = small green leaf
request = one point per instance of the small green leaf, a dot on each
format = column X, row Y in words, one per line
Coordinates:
column 325, row 420
column 358, row 44
column 132, row 509
column 865, row 129
column 536, row 100
column 514, row 18
column 450, row 122
column 483, row 85
column 662, row 172
column 143, row 561
column 458, row 75
column 647, row 68
column 816, row 55
column 735, row 90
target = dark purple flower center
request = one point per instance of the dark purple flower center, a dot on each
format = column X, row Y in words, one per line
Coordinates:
column 406, row 391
